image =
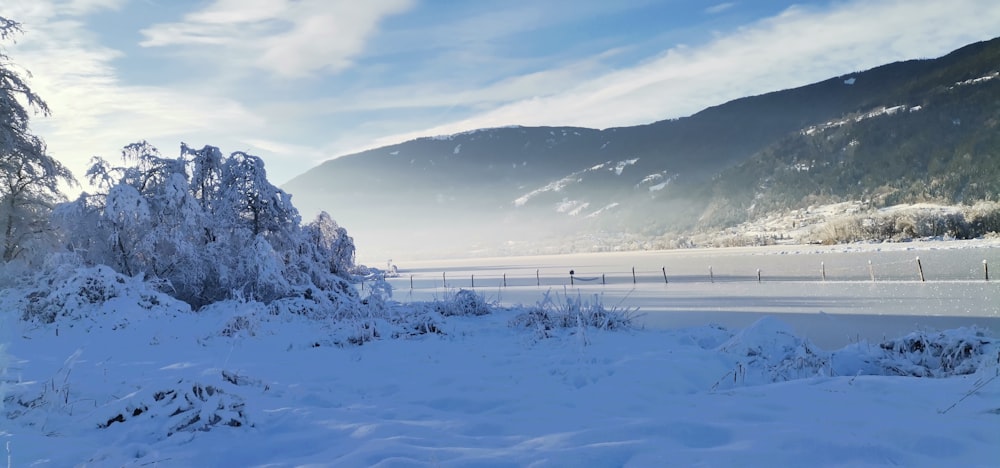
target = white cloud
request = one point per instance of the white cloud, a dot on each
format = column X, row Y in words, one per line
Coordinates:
column 719, row 8
column 93, row 113
column 290, row 38
column 797, row 47
column 443, row 93
column 82, row 7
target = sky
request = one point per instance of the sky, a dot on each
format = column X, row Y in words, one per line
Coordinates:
column 298, row 82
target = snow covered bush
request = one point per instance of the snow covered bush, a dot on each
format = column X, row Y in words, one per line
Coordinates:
column 184, row 407
column 914, row 222
column 463, row 303
column 959, row 351
column 78, row 292
column 768, row 351
column 984, row 217
column 415, row 320
column 551, row 314
column 211, row 226
column 379, row 292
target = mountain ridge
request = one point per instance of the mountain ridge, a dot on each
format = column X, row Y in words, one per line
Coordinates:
column 704, row 171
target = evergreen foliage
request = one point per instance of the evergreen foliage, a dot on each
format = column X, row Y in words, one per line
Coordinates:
column 932, row 138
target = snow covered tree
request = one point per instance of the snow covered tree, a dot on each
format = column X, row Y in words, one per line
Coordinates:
column 212, row 226
column 334, row 247
column 252, row 201
column 29, row 177
column 206, row 176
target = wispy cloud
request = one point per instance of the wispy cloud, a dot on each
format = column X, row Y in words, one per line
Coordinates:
column 286, row 37
column 799, row 46
column 719, row 8
column 93, row 112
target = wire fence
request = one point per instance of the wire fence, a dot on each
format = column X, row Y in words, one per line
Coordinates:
column 908, row 270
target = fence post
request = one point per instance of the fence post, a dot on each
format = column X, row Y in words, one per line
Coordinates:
column 602, row 279
column 411, row 281
column 665, row 276
column 711, row 275
column 633, row 275
column 505, row 280
column 871, row 270
column 920, row 269
column 758, row 275
column 444, row 280
column 538, row 279
column 473, row 281
column 986, row 270
column 822, row 267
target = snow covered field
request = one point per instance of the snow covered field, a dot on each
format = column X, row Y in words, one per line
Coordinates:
column 137, row 382
column 844, row 308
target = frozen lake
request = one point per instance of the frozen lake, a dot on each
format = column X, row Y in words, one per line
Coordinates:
column 721, row 285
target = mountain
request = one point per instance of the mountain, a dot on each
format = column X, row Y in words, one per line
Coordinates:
column 906, row 131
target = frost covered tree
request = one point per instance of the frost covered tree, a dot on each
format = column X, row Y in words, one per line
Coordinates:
column 325, row 251
column 253, row 202
column 211, row 226
column 29, row 177
column 333, row 246
column 145, row 215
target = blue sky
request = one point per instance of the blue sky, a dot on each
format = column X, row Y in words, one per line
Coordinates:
column 301, row 81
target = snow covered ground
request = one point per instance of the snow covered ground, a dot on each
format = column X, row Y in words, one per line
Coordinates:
column 721, row 285
column 233, row 385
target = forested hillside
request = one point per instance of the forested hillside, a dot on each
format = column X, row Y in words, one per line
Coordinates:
column 934, row 139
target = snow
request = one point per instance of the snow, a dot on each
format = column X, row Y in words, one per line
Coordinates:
column 571, row 207
column 850, row 81
column 656, row 182
column 237, row 385
column 621, row 165
column 651, row 178
column 558, row 185
column 458, row 149
column 979, row 80
column 877, row 112
column 554, row 186
column 601, row 211
column 469, row 133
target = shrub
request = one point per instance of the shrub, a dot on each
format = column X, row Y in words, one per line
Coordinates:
column 78, row 292
column 186, row 407
column 924, row 354
column 769, row 351
column 964, row 222
column 549, row 315
column 463, row 303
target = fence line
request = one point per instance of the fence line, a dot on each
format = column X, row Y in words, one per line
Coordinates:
column 825, row 273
